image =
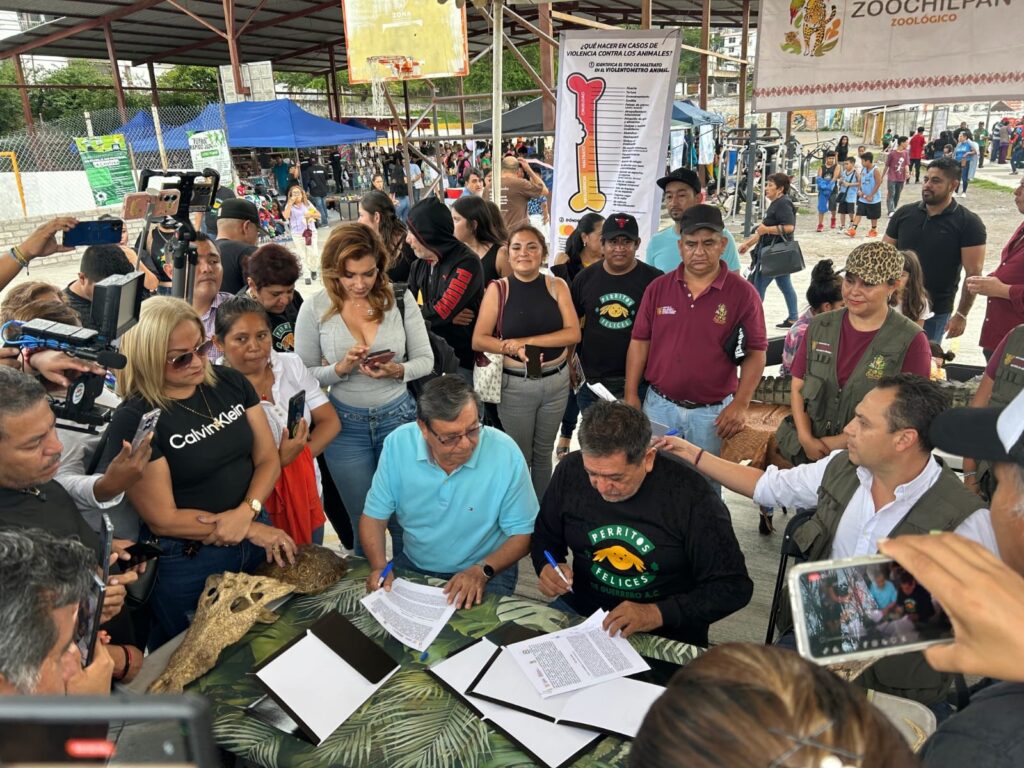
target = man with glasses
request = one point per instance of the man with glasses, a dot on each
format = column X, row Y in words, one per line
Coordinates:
column 607, row 297
column 692, row 328
column 460, row 491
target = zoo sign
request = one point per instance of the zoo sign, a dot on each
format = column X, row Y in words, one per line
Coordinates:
column 107, row 167
column 813, row 54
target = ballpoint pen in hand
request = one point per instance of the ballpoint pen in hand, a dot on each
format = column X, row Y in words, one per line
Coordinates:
column 384, row 573
column 558, row 570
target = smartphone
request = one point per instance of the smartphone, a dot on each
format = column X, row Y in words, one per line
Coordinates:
column 147, row 425
column 90, row 611
column 153, row 203
column 103, row 232
column 378, row 358
column 861, row 608
column 533, row 362
column 107, row 541
column 141, row 552
column 296, row 410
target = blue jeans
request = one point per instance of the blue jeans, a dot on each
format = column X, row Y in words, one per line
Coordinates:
column 935, row 327
column 785, row 285
column 503, row 583
column 352, row 456
column 694, row 424
column 321, row 206
column 180, row 579
column 402, row 209
column 965, row 178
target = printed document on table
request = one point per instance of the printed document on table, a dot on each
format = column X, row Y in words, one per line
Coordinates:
column 602, row 391
column 412, row 613
column 575, row 658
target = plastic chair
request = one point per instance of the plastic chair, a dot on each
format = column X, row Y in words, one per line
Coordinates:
column 789, row 549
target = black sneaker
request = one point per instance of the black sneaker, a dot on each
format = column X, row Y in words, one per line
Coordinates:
column 765, row 526
column 786, row 324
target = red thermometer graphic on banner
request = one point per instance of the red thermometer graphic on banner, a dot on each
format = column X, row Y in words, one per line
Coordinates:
column 588, row 183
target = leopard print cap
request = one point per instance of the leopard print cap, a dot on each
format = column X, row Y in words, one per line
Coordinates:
column 875, row 263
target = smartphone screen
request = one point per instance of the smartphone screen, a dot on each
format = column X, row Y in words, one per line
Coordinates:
column 105, row 232
column 89, row 613
column 142, row 552
column 533, row 362
column 107, row 532
column 862, row 607
column 296, row 410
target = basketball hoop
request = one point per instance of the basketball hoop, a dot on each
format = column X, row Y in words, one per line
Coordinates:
column 384, row 69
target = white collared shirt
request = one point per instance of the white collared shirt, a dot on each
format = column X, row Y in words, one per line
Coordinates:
column 861, row 525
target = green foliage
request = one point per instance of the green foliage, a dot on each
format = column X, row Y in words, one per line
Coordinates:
column 187, row 76
column 53, row 104
column 514, row 75
column 10, row 101
column 302, row 80
column 689, row 61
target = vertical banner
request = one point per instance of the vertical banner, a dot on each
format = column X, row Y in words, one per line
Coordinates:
column 209, row 149
column 107, row 167
column 614, row 108
column 819, row 53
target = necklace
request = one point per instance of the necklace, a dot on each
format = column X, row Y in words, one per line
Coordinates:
column 369, row 309
column 217, row 423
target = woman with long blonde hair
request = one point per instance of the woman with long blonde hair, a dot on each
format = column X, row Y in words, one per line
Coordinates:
column 213, row 460
column 356, row 341
column 303, row 218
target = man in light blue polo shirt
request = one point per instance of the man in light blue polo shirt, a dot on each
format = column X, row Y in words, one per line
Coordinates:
column 682, row 192
column 460, row 491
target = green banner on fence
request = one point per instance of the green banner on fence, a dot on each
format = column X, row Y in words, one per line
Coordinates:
column 106, row 163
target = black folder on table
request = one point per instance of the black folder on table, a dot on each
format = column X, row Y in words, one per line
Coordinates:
column 330, row 652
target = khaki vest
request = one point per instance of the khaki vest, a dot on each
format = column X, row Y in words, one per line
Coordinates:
column 829, row 406
column 942, row 507
column 1008, row 382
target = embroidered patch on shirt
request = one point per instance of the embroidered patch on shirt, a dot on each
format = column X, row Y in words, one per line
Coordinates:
column 721, row 314
column 1014, row 362
column 665, row 310
column 876, row 368
column 821, row 346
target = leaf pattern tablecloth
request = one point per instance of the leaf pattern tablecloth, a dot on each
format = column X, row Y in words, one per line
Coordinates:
column 412, row 721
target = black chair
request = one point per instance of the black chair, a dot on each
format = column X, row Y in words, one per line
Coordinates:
column 789, row 549
column 959, row 372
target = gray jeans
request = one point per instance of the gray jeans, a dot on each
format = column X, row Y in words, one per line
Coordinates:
column 531, row 412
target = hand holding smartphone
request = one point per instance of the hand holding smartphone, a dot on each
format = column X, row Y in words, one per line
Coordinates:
column 379, row 358
column 296, row 410
column 103, row 232
column 87, row 627
column 147, row 425
column 534, row 362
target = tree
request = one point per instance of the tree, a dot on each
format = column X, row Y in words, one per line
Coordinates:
column 514, row 75
column 188, row 76
column 10, row 101
column 53, row 104
column 301, row 80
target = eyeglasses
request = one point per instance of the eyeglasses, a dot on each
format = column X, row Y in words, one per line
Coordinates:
column 450, row 441
column 182, row 361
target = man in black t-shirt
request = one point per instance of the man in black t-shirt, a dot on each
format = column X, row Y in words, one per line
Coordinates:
column 316, row 185
column 238, row 232
column 210, row 217
column 335, row 160
column 607, row 297
column 651, row 542
column 98, row 263
column 946, row 238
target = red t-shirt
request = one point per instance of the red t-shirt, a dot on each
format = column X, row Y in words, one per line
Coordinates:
column 852, row 346
column 1003, row 315
column 917, row 143
column 687, row 359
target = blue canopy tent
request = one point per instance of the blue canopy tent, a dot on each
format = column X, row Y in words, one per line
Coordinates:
column 138, row 129
column 176, row 137
column 351, row 122
column 689, row 113
column 282, row 123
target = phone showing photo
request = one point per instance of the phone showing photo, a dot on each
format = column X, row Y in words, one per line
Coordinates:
column 147, row 424
column 296, row 410
column 107, row 544
column 87, row 627
column 534, row 364
column 374, row 359
column 860, row 608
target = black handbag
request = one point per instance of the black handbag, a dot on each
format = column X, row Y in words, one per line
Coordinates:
column 782, row 257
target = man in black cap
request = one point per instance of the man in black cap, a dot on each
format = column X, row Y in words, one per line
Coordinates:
column 238, row 231
column 607, row 298
column 983, row 597
column 686, row 337
column 682, row 192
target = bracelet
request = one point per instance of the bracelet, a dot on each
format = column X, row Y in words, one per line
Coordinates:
column 699, row 454
column 961, row 314
column 970, row 474
column 20, row 258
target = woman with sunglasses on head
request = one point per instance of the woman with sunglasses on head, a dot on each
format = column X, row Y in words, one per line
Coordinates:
column 357, row 342
column 244, row 336
column 530, row 310
column 213, row 463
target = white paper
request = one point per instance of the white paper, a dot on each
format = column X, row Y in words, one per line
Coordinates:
column 602, row 391
column 319, row 686
column 575, row 658
column 551, row 743
column 658, row 429
column 413, row 613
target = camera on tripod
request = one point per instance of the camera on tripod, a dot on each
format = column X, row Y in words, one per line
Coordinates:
column 115, row 308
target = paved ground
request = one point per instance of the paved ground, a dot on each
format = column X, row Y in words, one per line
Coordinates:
column 1001, row 217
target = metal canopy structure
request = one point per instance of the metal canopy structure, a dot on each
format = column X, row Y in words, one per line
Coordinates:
column 297, row 35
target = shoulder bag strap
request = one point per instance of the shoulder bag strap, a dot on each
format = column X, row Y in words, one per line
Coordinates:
column 502, row 298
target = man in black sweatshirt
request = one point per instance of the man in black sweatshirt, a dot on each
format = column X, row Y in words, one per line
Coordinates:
column 652, row 543
column 445, row 279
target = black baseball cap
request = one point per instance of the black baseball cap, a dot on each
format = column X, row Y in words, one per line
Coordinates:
column 994, row 434
column 684, row 175
column 701, row 217
column 239, row 208
column 620, row 224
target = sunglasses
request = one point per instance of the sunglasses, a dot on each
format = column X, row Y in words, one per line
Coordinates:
column 178, row 362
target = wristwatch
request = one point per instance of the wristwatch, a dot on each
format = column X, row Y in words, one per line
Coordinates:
column 488, row 571
column 255, row 506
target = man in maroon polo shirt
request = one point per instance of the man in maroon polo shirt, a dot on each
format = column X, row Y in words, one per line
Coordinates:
column 690, row 324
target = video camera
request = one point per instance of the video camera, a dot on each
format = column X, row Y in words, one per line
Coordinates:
column 196, row 194
column 115, row 308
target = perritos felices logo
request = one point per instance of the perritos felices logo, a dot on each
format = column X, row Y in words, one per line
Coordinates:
column 816, row 28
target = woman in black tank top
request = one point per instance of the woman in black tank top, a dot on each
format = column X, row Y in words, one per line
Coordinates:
column 478, row 224
column 537, row 313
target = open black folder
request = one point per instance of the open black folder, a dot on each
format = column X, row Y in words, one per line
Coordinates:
column 325, row 674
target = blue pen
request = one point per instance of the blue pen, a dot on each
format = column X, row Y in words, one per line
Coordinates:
column 384, row 573
column 671, row 433
column 557, row 569
column 424, row 655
